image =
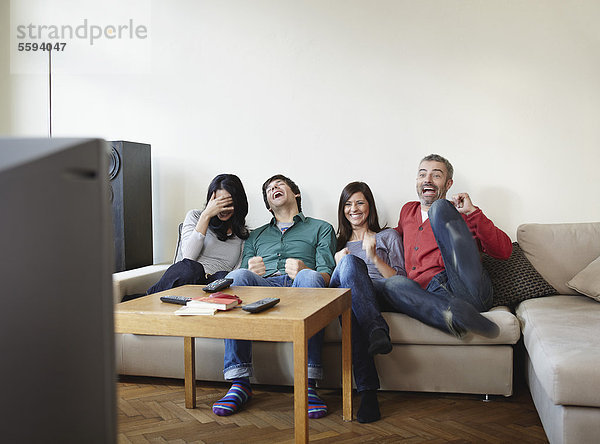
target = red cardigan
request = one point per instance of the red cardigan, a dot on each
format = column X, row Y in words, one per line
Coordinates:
column 423, row 258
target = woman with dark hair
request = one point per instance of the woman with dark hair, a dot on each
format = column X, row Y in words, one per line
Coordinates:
column 367, row 255
column 212, row 239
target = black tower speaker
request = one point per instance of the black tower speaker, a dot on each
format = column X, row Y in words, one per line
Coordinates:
column 131, row 197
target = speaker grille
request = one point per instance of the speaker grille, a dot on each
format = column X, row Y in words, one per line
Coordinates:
column 114, row 162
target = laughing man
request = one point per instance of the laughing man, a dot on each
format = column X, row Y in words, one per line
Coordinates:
column 292, row 250
column 446, row 285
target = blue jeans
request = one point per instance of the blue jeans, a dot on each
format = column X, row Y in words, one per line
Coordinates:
column 184, row 272
column 237, row 362
column 351, row 272
column 463, row 278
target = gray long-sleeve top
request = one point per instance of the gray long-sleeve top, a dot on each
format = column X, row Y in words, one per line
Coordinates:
column 213, row 254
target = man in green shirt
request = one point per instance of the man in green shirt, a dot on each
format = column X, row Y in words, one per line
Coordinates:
column 292, row 250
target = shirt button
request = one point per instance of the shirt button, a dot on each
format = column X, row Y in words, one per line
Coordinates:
column 414, row 268
column 420, row 228
column 416, row 248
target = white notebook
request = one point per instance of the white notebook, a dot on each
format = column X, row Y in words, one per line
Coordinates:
column 194, row 310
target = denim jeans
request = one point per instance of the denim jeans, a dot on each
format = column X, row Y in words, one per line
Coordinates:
column 351, row 272
column 463, row 277
column 184, row 272
column 237, row 362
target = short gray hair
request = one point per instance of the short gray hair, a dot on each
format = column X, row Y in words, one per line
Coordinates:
column 438, row 158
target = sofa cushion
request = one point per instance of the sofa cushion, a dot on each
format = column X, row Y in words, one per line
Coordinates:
column 407, row 330
column 561, row 336
column 515, row 280
column 587, row 281
column 560, row 251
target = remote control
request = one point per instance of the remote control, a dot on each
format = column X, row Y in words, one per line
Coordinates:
column 217, row 285
column 261, row 305
column 172, row 299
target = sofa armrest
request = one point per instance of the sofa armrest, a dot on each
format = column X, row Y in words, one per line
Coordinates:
column 137, row 280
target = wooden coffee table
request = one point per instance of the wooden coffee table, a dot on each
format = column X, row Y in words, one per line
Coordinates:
column 301, row 313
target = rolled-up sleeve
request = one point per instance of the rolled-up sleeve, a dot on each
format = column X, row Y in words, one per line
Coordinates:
column 325, row 250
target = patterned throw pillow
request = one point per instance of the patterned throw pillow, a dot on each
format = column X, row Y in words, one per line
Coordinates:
column 515, row 280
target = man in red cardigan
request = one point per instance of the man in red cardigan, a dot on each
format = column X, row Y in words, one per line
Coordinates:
column 446, row 285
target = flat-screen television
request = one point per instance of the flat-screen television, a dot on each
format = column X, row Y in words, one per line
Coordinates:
column 56, row 317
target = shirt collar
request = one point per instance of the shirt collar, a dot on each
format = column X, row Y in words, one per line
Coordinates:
column 300, row 217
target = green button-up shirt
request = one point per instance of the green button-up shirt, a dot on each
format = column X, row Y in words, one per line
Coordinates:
column 310, row 240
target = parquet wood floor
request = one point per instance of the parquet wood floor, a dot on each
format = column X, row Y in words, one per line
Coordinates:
column 152, row 410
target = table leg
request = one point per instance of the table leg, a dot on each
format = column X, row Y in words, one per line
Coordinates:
column 189, row 353
column 346, row 366
column 300, row 385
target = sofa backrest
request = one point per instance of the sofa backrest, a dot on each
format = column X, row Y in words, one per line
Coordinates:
column 560, row 251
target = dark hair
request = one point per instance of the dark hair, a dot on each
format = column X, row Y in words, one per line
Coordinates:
column 290, row 184
column 233, row 185
column 344, row 232
column 438, row 158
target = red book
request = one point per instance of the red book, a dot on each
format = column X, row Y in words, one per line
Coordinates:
column 218, row 300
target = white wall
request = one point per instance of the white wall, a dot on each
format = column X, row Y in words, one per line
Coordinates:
column 5, row 109
column 333, row 91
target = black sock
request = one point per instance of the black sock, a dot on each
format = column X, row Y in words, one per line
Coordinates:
column 379, row 342
column 369, row 407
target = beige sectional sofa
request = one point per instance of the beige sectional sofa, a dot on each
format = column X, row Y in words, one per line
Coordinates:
column 561, row 333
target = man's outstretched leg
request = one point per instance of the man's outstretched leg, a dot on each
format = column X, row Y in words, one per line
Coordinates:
column 237, row 362
column 316, row 406
column 436, row 307
column 466, row 278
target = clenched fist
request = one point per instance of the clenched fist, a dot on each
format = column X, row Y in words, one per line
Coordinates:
column 256, row 265
column 369, row 244
column 340, row 254
column 462, row 202
column 293, row 266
